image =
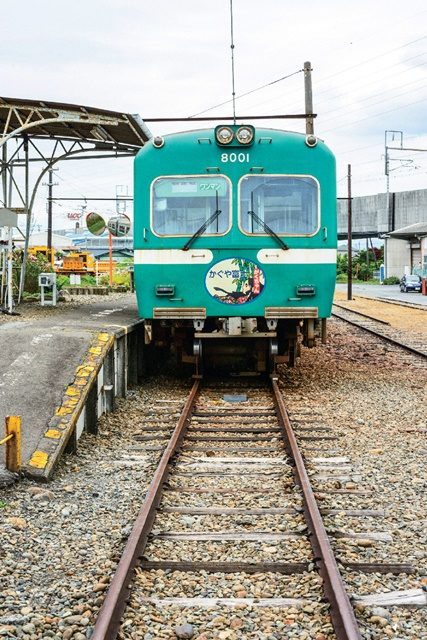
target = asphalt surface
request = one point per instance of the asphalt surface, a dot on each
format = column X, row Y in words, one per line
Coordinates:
column 39, row 356
column 385, row 292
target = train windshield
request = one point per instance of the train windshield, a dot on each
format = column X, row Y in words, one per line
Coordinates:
column 289, row 205
column 182, row 206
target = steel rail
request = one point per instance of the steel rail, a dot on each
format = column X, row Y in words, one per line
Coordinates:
column 413, row 350
column 342, row 613
column 109, row 617
column 359, row 313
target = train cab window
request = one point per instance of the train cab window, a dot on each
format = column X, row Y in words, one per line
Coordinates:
column 181, row 206
column 287, row 205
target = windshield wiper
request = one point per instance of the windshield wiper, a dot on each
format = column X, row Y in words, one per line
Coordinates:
column 204, row 226
column 265, row 226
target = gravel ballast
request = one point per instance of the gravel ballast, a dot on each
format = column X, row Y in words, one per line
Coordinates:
column 60, row 542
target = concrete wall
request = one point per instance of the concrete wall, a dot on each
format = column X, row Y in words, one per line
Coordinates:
column 398, row 257
column 370, row 216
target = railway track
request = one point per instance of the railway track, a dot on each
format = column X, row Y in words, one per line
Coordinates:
column 231, row 514
column 412, row 343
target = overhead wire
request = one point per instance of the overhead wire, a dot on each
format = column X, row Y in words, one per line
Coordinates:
column 242, row 95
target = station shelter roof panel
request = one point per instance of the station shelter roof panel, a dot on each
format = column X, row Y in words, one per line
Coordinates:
column 48, row 120
column 419, row 229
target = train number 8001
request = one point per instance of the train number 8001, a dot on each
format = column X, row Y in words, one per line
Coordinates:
column 235, row 157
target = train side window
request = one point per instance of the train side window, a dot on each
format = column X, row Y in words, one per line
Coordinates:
column 181, row 205
column 289, row 205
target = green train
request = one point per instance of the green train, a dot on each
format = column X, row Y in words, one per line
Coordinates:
column 235, row 244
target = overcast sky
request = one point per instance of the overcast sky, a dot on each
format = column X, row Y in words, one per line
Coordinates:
column 172, row 58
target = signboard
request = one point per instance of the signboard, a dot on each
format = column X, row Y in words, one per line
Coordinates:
column 8, row 218
column 235, row 281
column 190, row 187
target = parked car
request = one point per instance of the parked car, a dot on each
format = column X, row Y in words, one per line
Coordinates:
column 410, row 283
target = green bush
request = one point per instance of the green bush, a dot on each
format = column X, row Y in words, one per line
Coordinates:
column 121, row 277
column 62, row 281
column 35, row 266
column 342, row 277
column 391, row 280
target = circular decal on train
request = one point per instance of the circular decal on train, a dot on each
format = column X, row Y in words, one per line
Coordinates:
column 235, row 281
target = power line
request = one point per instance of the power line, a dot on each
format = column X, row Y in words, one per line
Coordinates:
column 389, row 100
column 376, row 115
column 242, row 95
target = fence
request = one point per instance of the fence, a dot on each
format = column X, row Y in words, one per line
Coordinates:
column 12, row 440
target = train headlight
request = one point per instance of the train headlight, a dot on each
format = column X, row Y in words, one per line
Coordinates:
column 306, row 290
column 245, row 134
column 224, row 135
column 165, row 290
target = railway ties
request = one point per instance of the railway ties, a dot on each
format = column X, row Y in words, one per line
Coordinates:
column 223, row 527
column 226, row 540
column 414, row 344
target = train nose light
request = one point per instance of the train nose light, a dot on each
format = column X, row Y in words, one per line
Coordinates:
column 245, row 135
column 306, row 290
column 224, row 135
column 165, row 290
column 311, row 140
column 158, row 142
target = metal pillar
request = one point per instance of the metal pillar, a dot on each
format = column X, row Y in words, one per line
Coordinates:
column 309, row 124
column 349, row 238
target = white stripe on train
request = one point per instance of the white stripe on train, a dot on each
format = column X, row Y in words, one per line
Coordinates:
column 264, row 256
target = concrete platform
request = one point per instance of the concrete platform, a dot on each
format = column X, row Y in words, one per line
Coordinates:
column 387, row 293
column 41, row 350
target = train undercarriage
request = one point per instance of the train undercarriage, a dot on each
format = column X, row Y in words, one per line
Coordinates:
column 245, row 346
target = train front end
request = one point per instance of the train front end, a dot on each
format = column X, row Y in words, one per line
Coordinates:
column 235, row 244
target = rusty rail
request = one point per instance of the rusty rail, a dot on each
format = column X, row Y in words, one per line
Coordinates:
column 12, row 440
column 342, row 614
column 377, row 334
column 108, row 621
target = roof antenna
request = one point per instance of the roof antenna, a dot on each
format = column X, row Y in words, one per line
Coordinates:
column 232, row 63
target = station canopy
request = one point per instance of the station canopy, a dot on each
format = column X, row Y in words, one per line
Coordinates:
column 417, row 230
column 45, row 133
column 56, row 120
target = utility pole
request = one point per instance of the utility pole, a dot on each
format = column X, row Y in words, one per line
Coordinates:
column 349, row 238
column 387, row 171
column 50, row 186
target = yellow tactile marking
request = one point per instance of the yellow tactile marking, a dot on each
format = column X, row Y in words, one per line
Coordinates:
column 95, row 350
column 72, row 391
column 70, row 402
column 53, row 433
column 63, row 411
column 39, row 459
column 103, row 337
column 84, row 370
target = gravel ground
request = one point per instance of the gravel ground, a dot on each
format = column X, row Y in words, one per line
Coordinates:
column 400, row 317
column 372, row 397
column 34, row 311
column 60, row 543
